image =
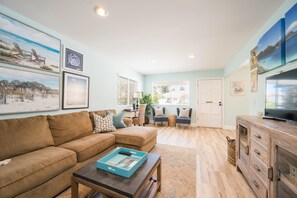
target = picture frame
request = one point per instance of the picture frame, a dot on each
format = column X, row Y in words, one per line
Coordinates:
column 75, row 91
column 73, row 60
column 23, row 91
column 291, row 34
column 23, row 45
column 254, row 80
column 238, row 88
column 271, row 48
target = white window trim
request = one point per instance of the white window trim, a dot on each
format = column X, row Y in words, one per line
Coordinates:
column 128, row 91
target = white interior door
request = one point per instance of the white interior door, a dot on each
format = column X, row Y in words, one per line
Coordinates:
column 209, row 103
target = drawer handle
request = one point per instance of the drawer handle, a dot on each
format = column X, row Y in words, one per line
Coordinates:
column 258, row 136
column 257, row 168
column 255, row 184
column 257, row 152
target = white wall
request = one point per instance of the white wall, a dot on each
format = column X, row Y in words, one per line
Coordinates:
column 100, row 69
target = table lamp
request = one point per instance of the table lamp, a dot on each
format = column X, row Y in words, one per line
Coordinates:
column 137, row 95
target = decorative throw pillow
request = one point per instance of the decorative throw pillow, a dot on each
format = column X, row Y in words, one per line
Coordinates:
column 103, row 124
column 158, row 111
column 184, row 113
column 118, row 120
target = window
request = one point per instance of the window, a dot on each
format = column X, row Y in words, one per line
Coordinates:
column 171, row 93
column 126, row 89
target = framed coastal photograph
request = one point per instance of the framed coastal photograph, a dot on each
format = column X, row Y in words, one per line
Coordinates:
column 271, row 48
column 238, row 88
column 75, row 91
column 73, row 60
column 253, row 59
column 26, row 46
column 25, row 91
column 291, row 34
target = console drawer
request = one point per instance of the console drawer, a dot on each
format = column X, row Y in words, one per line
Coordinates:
column 260, row 152
column 257, row 186
column 261, row 136
column 259, row 169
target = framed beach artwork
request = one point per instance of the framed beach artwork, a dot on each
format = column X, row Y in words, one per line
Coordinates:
column 73, row 60
column 271, row 48
column 238, row 88
column 25, row 91
column 291, row 34
column 253, row 59
column 24, row 45
column 75, row 91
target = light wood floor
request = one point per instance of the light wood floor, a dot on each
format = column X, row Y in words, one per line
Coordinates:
column 215, row 177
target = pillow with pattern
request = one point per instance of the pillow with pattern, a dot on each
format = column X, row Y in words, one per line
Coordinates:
column 184, row 113
column 103, row 124
column 158, row 111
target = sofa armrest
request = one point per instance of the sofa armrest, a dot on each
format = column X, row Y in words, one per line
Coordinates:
column 127, row 121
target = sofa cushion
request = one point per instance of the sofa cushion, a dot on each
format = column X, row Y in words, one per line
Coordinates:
column 136, row 135
column 29, row 170
column 89, row 146
column 31, row 134
column 71, row 126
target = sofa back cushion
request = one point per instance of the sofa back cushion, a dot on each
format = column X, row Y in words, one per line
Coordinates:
column 71, row 126
column 23, row 135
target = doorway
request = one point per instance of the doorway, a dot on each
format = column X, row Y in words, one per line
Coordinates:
column 210, row 102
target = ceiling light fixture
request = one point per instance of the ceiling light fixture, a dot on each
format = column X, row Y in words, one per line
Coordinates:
column 191, row 56
column 101, row 11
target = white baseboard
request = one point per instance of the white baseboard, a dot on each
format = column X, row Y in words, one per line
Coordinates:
column 229, row 127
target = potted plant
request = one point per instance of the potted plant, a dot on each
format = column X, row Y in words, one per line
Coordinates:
column 147, row 99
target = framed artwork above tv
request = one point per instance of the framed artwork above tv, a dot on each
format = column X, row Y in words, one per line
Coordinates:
column 291, row 34
column 271, row 48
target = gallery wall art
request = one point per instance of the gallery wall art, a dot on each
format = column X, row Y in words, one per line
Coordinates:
column 75, row 91
column 24, row 45
column 238, row 88
column 291, row 34
column 73, row 60
column 271, row 48
column 24, row 91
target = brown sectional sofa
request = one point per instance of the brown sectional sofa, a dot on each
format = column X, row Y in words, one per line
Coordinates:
column 45, row 150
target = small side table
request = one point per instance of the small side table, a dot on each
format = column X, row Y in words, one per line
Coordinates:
column 172, row 120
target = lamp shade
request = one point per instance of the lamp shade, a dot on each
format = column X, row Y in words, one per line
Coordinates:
column 137, row 94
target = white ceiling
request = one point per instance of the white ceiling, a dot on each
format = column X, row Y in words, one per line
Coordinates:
column 166, row 31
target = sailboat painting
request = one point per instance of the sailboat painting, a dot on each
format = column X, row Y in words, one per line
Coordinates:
column 26, row 46
column 291, row 34
column 271, row 48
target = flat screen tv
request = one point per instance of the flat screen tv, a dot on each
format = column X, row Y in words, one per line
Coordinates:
column 281, row 96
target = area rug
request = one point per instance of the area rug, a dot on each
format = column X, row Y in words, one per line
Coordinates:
column 178, row 171
column 178, row 178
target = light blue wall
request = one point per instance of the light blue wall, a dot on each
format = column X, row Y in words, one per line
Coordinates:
column 191, row 76
column 102, row 71
column 256, row 100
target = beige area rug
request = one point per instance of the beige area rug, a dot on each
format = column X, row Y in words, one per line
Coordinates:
column 178, row 177
column 178, row 171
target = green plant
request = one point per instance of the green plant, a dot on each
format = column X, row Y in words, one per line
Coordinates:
column 147, row 99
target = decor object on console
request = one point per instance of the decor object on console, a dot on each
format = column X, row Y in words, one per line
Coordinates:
column 73, row 60
column 291, row 34
column 26, row 46
column 182, row 118
column 75, row 91
column 24, row 91
column 160, row 117
column 137, row 95
column 271, row 48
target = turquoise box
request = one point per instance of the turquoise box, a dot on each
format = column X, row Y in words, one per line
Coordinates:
column 122, row 161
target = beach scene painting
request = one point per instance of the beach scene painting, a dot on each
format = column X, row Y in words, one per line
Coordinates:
column 291, row 34
column 75, row 91
column 271, row 48
column 23, row 91
column 26, row 46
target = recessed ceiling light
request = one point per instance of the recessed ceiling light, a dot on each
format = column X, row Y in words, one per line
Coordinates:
column 191, row 56
column 101, row 11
